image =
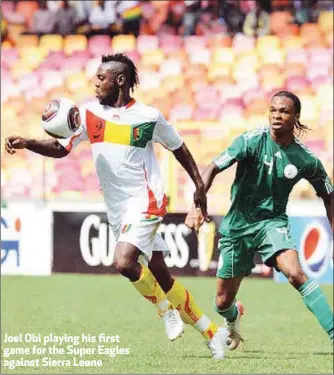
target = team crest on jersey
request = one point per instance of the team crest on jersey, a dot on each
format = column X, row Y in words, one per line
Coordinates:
column 137, row 133
column 290, row 171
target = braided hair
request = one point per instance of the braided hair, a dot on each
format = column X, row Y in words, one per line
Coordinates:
column 301, row 129
column 131, row 72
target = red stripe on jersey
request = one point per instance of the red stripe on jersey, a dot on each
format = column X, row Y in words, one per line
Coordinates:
column 153, row 208
column 95, row 127
column 130, row 104
column 70, row 145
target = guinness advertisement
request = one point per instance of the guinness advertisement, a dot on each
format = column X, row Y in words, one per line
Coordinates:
column 83, row 242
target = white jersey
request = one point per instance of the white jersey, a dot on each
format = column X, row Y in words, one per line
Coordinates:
column 122, row 146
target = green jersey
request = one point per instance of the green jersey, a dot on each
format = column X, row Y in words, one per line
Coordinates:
column 265, row 176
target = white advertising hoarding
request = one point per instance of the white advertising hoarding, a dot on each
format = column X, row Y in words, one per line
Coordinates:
column 26, row 240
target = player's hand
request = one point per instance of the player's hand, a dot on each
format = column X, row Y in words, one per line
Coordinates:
column 13, row 143
column 200, row 201
column 194, row 219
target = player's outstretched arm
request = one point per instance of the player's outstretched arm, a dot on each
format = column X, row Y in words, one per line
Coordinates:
column 210, row 172
column 185, row 158
column 195, row 219
column 49, row 147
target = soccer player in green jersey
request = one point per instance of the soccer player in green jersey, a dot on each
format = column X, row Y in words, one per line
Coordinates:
column 271, row 160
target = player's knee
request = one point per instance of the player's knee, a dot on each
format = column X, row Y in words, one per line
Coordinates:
column 296, row 277
column 122, row 265
column 224, row 300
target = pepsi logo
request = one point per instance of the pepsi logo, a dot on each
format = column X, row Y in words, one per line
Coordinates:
column 314, row 249
column 51, row 110
column 73, row 119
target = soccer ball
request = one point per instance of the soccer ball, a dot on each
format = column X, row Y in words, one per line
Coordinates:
column 61, row 118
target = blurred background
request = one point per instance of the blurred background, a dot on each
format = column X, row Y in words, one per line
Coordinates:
column 211, row 67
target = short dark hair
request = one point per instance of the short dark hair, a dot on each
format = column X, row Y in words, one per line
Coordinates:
column 132, row 74
column 297, row 106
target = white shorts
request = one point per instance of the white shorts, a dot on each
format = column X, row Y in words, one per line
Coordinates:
column 143, row 234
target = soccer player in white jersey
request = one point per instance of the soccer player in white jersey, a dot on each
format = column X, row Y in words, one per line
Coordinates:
column 271, row 160
column 121, row 132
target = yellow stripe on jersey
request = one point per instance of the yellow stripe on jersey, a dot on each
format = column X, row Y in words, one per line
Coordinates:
column 117, row 133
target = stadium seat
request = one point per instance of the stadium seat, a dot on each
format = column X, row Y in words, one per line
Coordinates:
column 273, row 84
column 219, row 41
column 73, row 43
column 170, row 67
column 223, row 56
column 182, row 96
column 203, row 114
column 311, row 35
column 149, row 80
column 202, row 56
column 28, row 82
column 267, row 42
column 294, row 69
column 147, row 43
column 154, row 57
column 296, row 83
column 123, row 43
column 207, row 96
column 19, row 69
column 195, row 43
column 26, row 41
column 273, row 56
column 32, row 56
column 242, row 43
column 51, row 43
column 99, row 45
column 173, row 83
column 9, row 56
column 324, row 95
column 218, row 71
column 181, row 112
column 292, row 42
column 164, row 104
column 269, row 70
column 297, row 56
column 325, row 22
column 310, row 108
column 170, row 43
column 76, row 82
column 91, row 67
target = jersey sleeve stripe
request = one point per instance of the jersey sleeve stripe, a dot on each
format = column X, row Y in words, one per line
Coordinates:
column 70, row 145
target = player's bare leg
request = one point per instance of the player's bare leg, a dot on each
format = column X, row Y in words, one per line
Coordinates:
column 127, row 264
column 287, row 262
column 226, row 306
column 190, row 312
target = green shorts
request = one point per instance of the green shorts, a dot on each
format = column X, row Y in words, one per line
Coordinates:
column 237, row 253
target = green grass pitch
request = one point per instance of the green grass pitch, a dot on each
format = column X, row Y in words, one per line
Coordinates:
column 281, row 335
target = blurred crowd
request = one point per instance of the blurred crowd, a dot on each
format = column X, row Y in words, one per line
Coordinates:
column 188, row 17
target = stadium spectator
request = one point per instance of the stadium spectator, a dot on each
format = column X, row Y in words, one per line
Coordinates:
column 65, row 18
column 102, row 17
column 130, row 14
column 83, row 11
column 191, row 16
column 8, row 11
column 232, row 14
column 43, row 20
column 257, row 22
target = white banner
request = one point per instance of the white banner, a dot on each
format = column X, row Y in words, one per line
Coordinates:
column 26, row 241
